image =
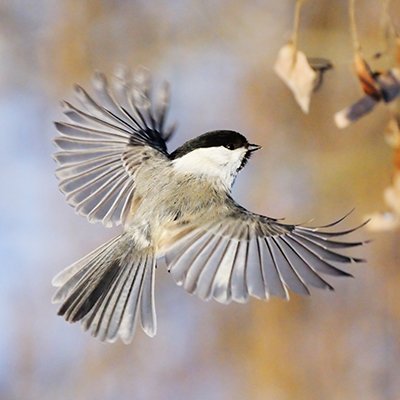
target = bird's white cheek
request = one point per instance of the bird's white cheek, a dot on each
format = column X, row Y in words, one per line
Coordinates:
column 211, row 162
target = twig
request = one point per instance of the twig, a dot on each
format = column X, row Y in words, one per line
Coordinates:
column 296, row 22
column 353, row 27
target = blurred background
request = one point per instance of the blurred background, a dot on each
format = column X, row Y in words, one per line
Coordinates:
column 218, row 57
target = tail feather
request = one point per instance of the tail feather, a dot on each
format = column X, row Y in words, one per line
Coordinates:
column 107, row 291
column 147, row 308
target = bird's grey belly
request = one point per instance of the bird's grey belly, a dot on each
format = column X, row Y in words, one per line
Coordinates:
column 170, row 201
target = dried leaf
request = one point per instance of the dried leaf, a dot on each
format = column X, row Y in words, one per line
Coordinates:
column 319, row 63
column 354, row 112
column 366, row 77
column 378, row 86
column 389, row 84
column 320, row 66
column 293, row 68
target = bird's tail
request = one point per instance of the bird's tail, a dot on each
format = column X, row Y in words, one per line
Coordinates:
column 107, row 289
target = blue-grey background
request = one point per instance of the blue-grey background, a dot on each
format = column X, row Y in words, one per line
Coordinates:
column 218, row 57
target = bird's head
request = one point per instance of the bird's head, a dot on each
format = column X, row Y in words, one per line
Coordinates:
column 216, row 154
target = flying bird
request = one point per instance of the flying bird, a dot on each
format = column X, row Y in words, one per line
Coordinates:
column 175, row 209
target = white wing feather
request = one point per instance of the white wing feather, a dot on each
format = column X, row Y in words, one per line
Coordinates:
column 244, row 254
column 104, row 143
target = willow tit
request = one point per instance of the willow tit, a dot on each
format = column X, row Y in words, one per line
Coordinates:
column 175, row 209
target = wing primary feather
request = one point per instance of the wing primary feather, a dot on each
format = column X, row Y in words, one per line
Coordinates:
column 264, row 278
column 69, row 159
column 138, row 113
column 307, row 271
column 95, row 144
column 289, row 275
column 130, row 101
column 222, row 285
column 106, row 196
column 180, row 267
column 222, row 282
column 137, row 127
column 85, row 117
column 194, row 269
column 163, row 106
column 207, row 274
column 338, row 221
column 327, row 243
column 239, row 288
column 272, row 274
column 77, row 145
column 325, row 253
column 127, row 187
column 180, row 246
column 317, row 232
column 152, row 119
column 115, row 172
column 169, row 131
column 92, row 135
column 109, row 157
column 317, row 261
column 81, row 203
column 100, row 84
column 88, row 171
column 254, row 276
column 84, row 98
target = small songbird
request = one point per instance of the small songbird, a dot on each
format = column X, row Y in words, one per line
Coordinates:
column 175, row 209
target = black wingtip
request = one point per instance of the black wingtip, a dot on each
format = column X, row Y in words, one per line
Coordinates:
column 317, row 231
column 359, row 260
column 58, row 125
column 78, row 88
column 336, row 222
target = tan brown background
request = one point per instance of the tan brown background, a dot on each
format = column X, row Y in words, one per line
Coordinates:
column 218, row 57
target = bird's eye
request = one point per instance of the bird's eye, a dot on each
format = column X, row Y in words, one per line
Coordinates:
column 229, row 146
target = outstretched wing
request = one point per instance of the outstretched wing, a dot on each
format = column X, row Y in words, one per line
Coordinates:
column 105, row 142
column 243, row 254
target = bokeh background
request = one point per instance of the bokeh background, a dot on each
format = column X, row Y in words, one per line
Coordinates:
column 219, row 59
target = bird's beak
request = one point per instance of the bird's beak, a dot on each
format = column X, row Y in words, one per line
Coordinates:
column 253, row 147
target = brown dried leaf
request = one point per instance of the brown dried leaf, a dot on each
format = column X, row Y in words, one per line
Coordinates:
column 377, row 86
column 366, row 77
column 293, row 68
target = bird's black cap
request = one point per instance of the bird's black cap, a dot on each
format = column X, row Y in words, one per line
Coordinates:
column 229, row 139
